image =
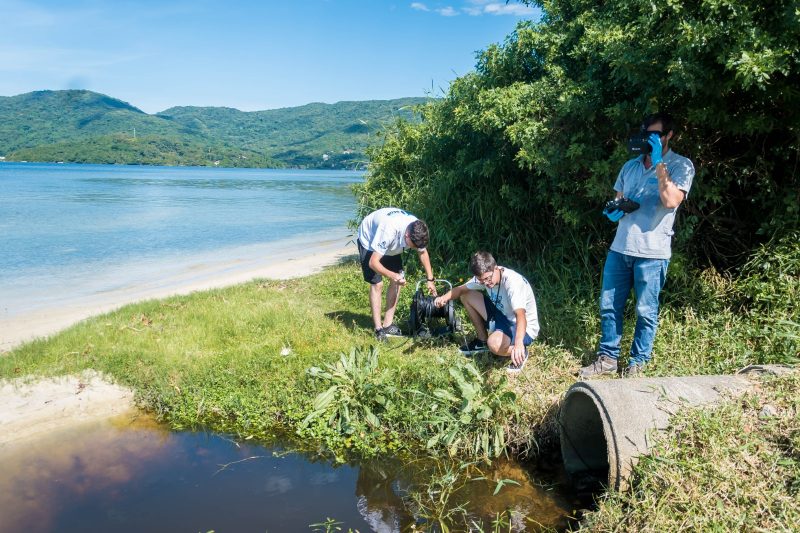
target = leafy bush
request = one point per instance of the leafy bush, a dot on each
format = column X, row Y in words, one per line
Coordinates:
column 524, row 150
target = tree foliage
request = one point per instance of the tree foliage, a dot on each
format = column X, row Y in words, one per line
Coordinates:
column 526, row 148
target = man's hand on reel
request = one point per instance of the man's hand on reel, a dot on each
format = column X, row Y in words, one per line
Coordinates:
column 432, row 288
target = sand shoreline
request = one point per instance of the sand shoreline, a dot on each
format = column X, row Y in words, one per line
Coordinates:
column 31, row 408
column 282, row 263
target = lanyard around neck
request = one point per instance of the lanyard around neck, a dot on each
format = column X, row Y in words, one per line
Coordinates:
column 497, row 296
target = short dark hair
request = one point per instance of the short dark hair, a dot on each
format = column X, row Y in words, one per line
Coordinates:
column 418, row 233
column 666, row 120
column 482, row 262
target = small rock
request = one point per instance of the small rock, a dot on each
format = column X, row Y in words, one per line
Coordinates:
column 768, row 411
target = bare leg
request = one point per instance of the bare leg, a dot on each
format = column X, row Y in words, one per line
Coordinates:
column 499, row 344
column 391, row 303
column 375, row 292
column 476, row 309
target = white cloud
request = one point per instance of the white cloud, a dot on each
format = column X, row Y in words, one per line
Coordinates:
column 419, row 6
column 491, row 7
column 508, row 9
column 447, row 12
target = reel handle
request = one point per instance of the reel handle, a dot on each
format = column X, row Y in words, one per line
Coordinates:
column 437, row 280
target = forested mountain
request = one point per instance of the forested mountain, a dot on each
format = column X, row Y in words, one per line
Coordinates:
column 83, row 126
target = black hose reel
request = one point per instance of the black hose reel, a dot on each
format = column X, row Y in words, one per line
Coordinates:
column 426, row 320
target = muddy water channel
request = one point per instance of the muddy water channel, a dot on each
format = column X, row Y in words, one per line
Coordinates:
column 135, row 475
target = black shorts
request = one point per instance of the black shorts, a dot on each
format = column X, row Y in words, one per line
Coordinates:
column 392, row 262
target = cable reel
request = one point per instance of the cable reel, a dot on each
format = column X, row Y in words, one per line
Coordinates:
column 425, row 319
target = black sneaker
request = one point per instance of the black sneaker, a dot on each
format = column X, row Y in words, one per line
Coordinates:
column 392, row 331
column 603, row 365
column 380, row 335
column 516, row 369
column 474, row 346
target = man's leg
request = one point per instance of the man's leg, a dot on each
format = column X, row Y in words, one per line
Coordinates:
column 393, row 263
column 501, row 338
column 375, row 293
column 617, row 282
column 649, row 276
column 391, row 303
column 476, row 309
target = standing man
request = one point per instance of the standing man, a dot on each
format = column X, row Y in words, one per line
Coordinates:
column 503, row 300
column 658, row 181
column 382, row 237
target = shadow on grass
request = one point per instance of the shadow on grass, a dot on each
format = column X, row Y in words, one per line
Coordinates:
column 352, row 321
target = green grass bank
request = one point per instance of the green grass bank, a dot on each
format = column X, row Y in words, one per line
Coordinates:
column 276, row 358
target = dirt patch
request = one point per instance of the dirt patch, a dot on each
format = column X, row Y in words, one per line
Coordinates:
column 31, row 407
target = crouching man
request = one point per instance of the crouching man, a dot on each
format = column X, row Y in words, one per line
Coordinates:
column 501, row 305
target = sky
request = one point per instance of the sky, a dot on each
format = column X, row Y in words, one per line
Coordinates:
column 249, row 55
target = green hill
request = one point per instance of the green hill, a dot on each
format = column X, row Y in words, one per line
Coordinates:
column 83, row 126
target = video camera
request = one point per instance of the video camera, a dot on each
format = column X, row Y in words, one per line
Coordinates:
column 638, row 142
column 626, row 205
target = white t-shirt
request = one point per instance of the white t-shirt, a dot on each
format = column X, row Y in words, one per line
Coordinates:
column 513, row 292
column 384, row 231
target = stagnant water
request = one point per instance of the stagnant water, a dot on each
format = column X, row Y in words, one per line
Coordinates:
column 132, row 474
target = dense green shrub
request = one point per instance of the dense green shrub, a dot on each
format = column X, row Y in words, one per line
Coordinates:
column 526, row 148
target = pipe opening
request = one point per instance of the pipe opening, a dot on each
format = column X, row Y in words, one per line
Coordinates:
column 583, row 442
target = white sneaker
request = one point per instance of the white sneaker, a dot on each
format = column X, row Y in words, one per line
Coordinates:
column 516, row 369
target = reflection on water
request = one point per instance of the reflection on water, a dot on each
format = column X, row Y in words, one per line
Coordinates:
column 133, row 475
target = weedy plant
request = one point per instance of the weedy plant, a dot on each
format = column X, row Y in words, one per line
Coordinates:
column 472, row 414
column 353, row 394
column 430, row 503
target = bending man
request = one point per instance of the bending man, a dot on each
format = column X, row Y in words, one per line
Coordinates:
column 382, row 236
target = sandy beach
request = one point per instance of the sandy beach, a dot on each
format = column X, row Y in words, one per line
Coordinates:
column 281, row 262
column 31, row 408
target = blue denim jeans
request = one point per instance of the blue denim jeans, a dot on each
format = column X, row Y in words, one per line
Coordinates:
column 646, row 276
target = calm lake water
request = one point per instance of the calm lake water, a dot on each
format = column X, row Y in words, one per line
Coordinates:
column 134, row 475
column 79, row 229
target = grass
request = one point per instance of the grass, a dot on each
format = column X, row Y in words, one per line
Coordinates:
column 271, row 358
column 735, row 467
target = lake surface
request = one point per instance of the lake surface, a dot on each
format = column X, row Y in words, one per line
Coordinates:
column 132, row 474
column 71, row 231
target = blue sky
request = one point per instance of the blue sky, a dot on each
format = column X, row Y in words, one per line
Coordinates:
column 249, row 55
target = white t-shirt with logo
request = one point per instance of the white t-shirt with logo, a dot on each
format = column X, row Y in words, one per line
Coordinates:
column 384, row 231
column 513, row 292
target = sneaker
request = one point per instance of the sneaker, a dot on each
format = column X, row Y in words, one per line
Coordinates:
column 516, row 369
column 392, row 331
column 635, row 370
column 380, row 335
column 474, row 346
column 603, row 365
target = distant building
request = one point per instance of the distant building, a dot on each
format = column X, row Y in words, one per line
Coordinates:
column 2, row 158
column 325, row 157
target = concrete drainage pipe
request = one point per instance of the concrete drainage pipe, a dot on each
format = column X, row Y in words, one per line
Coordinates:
column 606, row 425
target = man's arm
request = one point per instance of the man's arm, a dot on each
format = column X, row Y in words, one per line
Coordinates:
column 452, row 294
column 425, row 259
column 375, row 264
column 671, row 195
column 518, row 348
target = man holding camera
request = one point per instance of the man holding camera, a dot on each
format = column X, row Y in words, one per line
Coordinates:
column 382, row 236
column 649, row 190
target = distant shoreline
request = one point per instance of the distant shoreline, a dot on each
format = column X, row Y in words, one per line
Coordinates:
column 362, row 167
column 277, row 263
